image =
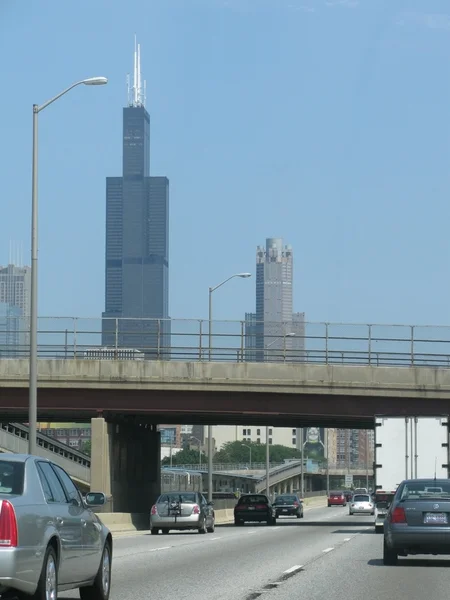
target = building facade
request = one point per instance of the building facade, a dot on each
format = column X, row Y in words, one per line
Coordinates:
column 15, row 290
column 137, row 241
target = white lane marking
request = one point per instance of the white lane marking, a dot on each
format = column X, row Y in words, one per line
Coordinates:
column 157, row 549
column 212, row 539
column 347, row 539
column 251, row 532
column 328, row 550
column 294, row 568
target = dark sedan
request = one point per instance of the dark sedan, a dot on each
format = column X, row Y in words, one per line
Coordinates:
column 254, row 507
column 418, row 520
column 288, row 505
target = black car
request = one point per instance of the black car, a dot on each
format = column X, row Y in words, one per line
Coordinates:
column 288, row 505
column 418, row 520
column 254, row 507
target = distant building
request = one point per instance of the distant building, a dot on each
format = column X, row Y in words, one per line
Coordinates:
column 74, row 435
column 274, row 332
column 137, row 241
column 13, row 332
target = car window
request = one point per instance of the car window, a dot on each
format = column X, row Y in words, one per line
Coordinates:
column 50, row 482
column 425, row 490
column 361, row 498
column 12, row 476
column 253, row 500
column 71, row 490
column 281, row 499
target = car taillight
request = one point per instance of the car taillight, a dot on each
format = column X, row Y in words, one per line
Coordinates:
column 295, row 503
column 196, row 509
column 8, row 525
column 398, row 515
column 239, row 507
column 154, row 510
column 260, row 506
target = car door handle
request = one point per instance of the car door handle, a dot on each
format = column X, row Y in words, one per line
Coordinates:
column 60, row 520
column 83, row 522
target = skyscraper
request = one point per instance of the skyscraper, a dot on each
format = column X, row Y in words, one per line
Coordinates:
column 274, row 329
column 15, row 286
column 137, row 238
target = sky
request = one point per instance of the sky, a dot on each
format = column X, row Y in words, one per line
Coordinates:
column 322, row 122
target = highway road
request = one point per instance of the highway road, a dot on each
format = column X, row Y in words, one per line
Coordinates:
column 327, row 554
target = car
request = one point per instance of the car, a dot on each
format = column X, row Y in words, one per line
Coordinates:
column 337, row 498
column 361, row 504
column 348, row 495
column 418, row 520
column 50, row 539
column 360, row 491
column 182, row 511
column 382, row 500
column 254, row 507
column 288, row 505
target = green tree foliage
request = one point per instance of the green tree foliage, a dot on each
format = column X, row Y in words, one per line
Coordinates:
column 235, row 452
column 184, row 457
column 86, row 447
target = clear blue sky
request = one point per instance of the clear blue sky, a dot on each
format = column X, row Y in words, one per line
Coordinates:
column 325, row 123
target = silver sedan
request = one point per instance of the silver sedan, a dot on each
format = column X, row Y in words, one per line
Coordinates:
column 361, row 504
column 182, row 510
column 50, row 540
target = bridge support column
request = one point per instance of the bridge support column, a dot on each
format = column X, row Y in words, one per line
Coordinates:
column 126, row 463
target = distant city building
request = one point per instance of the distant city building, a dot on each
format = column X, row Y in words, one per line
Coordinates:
column 15, row 289
column 284, row 436
column 137, row 240
column 354, row 447
column 13, row 332
column 170, row 435
column 74, row 435
column 274, row 332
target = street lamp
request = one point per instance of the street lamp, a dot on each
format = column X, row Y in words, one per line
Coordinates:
column 250, row 448
column 281, row 337
column 32, row 403
column 210, row 444
column 199, row 450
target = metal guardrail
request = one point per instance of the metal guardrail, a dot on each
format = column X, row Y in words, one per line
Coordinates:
column 14, row 438
column 173, row 481
column 234, row 341
column 225, row 466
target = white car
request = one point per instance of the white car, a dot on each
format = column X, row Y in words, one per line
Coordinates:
column 361, row 504
column 382, row 501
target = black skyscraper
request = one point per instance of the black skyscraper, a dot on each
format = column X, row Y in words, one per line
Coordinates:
column 137, row 236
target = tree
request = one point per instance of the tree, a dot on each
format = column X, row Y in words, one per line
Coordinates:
column 184, row 457
column 236, row 452
column 86, row 447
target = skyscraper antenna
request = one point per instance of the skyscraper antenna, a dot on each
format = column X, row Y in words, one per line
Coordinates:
column 136, row 95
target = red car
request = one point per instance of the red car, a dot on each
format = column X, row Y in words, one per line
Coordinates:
column 337, row 499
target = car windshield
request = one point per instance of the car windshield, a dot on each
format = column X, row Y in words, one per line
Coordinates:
column 253, row 500
column 425, row 490
column 11, row 477
column 184, row 498
column 285, row 499
column 335, row 493
column 361, row 498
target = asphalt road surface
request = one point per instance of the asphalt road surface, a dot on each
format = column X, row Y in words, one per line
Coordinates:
column 326, row 554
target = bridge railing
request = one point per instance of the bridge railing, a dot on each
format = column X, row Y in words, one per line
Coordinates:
column 294, row 341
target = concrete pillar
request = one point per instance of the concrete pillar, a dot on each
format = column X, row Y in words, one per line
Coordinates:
column 100, row 460
column 126, row 463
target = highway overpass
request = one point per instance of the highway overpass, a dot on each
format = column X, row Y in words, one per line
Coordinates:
column 279, row 394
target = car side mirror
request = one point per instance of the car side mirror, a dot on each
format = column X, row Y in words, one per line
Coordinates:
column 95, row 499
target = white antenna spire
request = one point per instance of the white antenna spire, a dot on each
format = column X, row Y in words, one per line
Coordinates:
column 137, row 95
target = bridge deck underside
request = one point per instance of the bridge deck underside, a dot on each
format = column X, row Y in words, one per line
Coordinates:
column 214, row 407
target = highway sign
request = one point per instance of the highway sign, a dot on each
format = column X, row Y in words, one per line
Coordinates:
column 348, row 480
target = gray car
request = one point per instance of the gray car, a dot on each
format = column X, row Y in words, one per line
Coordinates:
column 50, row 540
column 182, row 510
column 418, row 520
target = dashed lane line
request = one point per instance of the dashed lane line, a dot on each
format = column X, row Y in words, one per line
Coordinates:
column 327, row 550
column 293, row 569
